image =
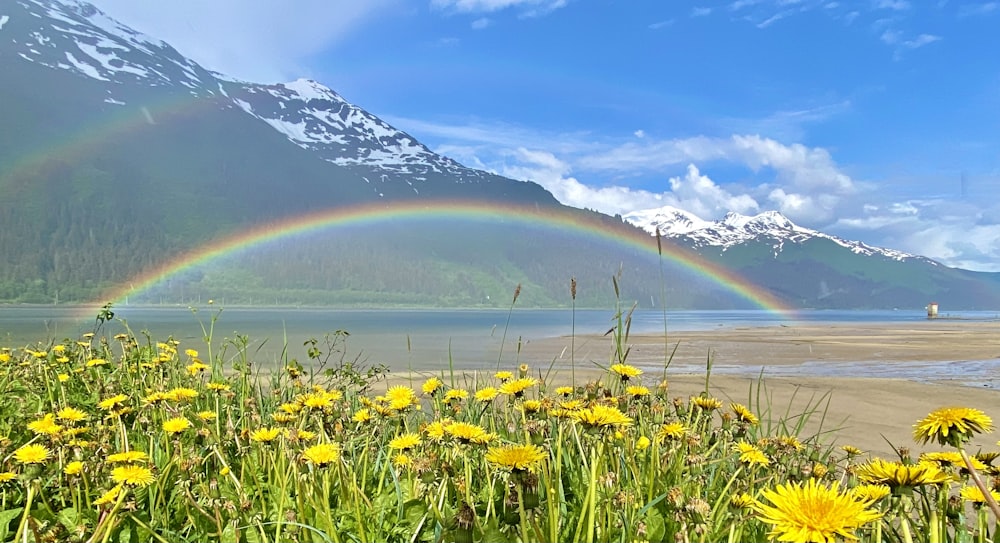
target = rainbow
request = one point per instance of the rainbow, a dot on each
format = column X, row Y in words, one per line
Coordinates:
column 124, row 120
column 369, row 214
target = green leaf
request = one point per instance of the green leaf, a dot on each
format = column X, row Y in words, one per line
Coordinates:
column 5, row 519
column 69, row 518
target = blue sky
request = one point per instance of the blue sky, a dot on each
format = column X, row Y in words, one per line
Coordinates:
column 860, row 119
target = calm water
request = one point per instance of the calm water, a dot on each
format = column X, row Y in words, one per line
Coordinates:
column 420, row 339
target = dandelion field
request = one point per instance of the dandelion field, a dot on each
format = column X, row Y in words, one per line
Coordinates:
column 133, row 438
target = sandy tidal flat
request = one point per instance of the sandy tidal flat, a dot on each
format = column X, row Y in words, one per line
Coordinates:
column 874, row 381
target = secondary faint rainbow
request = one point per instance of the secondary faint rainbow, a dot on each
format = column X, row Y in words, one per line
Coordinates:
column 361, row 215
column 72, row 145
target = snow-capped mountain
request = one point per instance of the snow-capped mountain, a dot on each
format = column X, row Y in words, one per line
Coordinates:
column 315, row 117
column 770, row 227
column 75, row 36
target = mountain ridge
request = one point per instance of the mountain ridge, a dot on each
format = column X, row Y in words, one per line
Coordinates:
column 734, row 228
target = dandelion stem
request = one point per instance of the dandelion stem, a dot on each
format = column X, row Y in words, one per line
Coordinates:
column 979, row 483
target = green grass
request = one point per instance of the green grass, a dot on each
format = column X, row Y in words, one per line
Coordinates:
column 312, row 452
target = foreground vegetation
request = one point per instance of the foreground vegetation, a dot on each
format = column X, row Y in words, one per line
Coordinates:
column 132, row 439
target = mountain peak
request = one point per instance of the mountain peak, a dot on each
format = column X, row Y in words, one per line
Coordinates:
column 309, row 89
column 735, row 229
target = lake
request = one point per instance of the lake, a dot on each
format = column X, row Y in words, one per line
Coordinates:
column 419, row 339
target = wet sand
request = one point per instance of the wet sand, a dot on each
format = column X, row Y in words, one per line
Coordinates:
column 872, row 381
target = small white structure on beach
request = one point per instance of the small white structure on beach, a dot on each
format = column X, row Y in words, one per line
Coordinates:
column 932, row 310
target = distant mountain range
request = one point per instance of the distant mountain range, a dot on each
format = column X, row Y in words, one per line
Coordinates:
column 119, row 154
column 769, row 227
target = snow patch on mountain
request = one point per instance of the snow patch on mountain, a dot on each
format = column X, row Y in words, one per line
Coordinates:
column 3, row 20
column 101, row 48
column 736, row 229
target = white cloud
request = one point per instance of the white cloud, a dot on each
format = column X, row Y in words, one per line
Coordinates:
column 801, row 166
column 257, row 40
column 700, row 11
column 530, row 8
column 985, row 8
column 921, row 41
column 895, row 5
column 700, row 195
column 480, row 23
column 661, row 24
column 639, row 134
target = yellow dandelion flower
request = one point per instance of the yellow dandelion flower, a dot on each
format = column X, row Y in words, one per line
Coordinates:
column 951, row 458
column 405, row 442
column 45, row 426
column 625, row 371
column 290, row 408
column 673, row 430
column 455, row 394
column 155, row 398
column 742, row 501
column 487, row 394
column 73, row 468
column 636, row 391
column 113, row 402
column 362, row 415
column 531, row 406
column 63, row 377
column 469, row 433
column 71, row 414
column 181, row 394
column 109, row 496
column 191, row 352
column 265, row 435
column 743, row 414
column 571, row 405
column 96, row 362
column 564, row 391
column 322, row 454
column 431, row 385
column 402, row 461
column 400, row 392
column 516, row 457
column 813, row 512
column 952, row 426
column 751, row 455
column 196, row 367
column 282, row 418
column 869, row 493
column 896, row 474
column 32, row 454
column 127, row 457
column 300, row 435
column 706, row 403
column 400, row 397
column 207, row 415
column 7, row 477
column 851, row 450
column 317, row 400
column 975, row 496
column 133, row 475
column 603, row 416
column 436, row 429
column 176, row 425
column 503, row 375
column 642, row 443
column 218, row 387
column 4, row 357
column 517, row 387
